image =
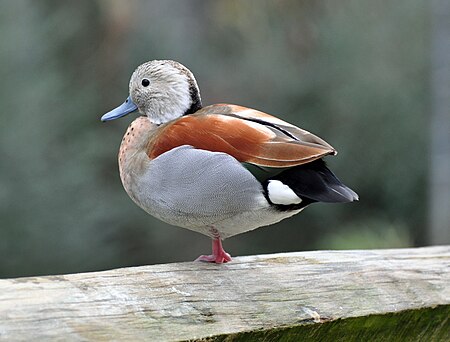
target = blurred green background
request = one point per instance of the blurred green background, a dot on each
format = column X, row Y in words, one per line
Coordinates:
column 356, row 73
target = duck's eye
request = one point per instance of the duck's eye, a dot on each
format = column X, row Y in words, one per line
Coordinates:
column 145, row 82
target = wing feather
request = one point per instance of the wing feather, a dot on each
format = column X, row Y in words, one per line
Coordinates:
column 266, row 119
column 246, row 134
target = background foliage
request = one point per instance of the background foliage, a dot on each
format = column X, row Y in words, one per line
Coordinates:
column 353, row 72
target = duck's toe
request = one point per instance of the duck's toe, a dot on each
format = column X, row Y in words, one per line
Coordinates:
column 219, row 256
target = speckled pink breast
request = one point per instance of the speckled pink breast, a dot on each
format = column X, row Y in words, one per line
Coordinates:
column 133, row 150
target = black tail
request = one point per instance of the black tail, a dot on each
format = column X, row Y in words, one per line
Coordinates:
column 314, row 182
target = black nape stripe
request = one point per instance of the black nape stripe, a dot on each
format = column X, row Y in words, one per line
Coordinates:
column 196, row 102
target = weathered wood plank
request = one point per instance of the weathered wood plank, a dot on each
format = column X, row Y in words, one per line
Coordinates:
column 347, row 295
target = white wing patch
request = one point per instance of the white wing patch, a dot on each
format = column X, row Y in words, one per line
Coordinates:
column 280, row 193
column 253, row 113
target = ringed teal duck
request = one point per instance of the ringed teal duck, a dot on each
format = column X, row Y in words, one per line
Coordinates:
column 219, row 170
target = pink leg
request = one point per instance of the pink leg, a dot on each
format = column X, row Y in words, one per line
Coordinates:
column 218, row 255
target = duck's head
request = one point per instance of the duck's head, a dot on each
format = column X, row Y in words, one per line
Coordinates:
column 163, row 90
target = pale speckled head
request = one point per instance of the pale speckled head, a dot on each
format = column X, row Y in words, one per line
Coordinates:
column 161, row 89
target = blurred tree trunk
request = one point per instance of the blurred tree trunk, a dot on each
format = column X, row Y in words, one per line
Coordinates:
column 439, row 230
column 116, row 17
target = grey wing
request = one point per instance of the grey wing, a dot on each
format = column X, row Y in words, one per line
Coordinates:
column 188, row 187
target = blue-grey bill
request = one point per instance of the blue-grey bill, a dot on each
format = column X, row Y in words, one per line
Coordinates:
column 125, row 108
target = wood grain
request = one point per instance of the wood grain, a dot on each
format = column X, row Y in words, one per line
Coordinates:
column 266, row 297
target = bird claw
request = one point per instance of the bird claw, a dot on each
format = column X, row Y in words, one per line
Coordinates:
column 219, row 256
column 218, row 259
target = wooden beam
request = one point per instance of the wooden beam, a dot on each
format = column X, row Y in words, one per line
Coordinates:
column 397, row 294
